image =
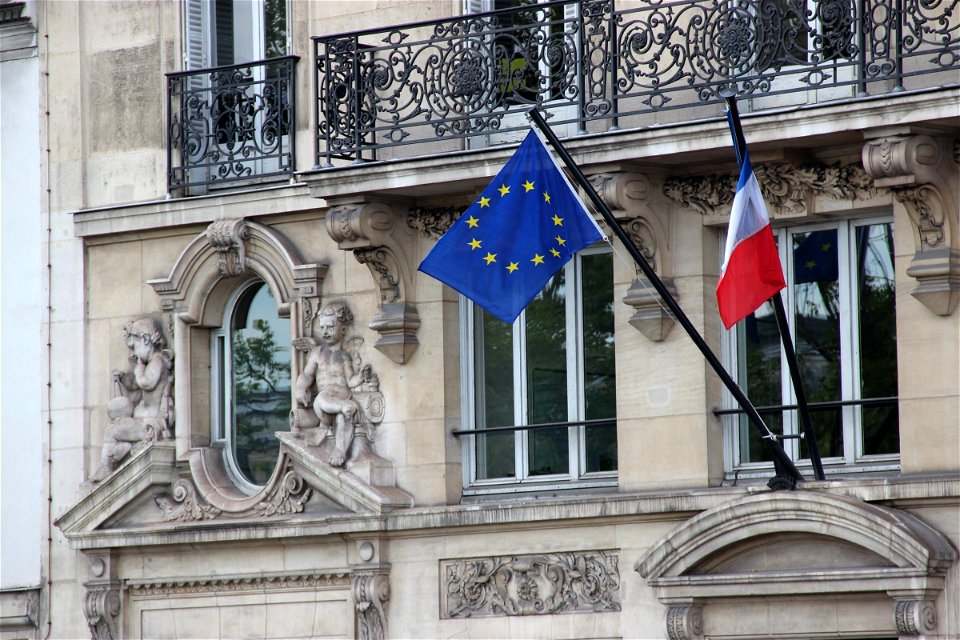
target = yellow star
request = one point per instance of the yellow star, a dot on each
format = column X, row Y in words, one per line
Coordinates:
column 474, row 244
column 810, row 264
column 537, row 259
column 484, row 202
column 513, row 266
column 825, row 247
column 472, row 222
column 560, row 241
column 527, row 186
column 490, row 257
column 546, row 197
column 504, row 190
column 557, row 220
column 556, row 254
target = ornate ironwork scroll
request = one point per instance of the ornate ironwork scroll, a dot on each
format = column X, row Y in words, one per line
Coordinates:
column 576, row 582
column 232, row 123
column 594, row 61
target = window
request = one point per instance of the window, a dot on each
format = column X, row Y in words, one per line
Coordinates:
column 840, row 299
column 553, row 366
column 251, row 384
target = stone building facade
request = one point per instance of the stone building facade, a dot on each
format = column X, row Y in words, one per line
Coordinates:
column 260, row 420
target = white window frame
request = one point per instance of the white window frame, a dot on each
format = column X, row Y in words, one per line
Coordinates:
column 471, row 392
column 853, row 458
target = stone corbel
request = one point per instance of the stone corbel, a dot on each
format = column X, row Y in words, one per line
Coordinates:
column 370, row 579
column 922, row 172
column 636, row 202
column 685, row 622
column 378, row 236
column 102, row 603
column 914, row 617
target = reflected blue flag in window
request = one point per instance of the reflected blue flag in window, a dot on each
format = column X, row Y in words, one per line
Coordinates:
column 522, row 229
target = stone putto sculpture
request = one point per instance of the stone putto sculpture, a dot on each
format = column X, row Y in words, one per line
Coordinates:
column 337, row 395
column 142, row 410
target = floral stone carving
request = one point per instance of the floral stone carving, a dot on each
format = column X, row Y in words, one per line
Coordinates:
column 338, row 397
column 142, row 410
column 582, row 581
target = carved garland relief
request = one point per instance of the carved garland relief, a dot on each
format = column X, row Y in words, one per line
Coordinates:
column 576, row 582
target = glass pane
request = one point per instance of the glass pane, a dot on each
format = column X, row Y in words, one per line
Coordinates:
column 758, row 345
column 547, row 378
column 275, row 28
column 599, row 374
column 495, row 457
column 878, row 337
column 817, row 328
column 260, row 361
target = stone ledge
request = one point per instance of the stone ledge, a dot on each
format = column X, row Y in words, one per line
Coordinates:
column 564, row 511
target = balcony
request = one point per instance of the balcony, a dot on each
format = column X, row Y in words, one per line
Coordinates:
column 232, row 125
column 463, row 83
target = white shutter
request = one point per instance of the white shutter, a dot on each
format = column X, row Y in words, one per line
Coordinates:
column 196, row 34
column 477, row 6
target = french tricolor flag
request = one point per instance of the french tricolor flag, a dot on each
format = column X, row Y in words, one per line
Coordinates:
column 751, row 271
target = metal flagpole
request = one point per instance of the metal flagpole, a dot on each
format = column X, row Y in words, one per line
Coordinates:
column 783, row 327
column 787, row 474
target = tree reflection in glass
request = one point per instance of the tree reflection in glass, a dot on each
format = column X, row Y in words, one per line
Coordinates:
column 260, row 364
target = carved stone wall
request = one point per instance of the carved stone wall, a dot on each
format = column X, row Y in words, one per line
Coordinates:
column 636, row 202
column 924, row 174
column 375, row 233
column 575, row 582
column 102, row 605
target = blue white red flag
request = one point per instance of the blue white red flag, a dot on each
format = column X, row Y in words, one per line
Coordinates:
column 751, row 271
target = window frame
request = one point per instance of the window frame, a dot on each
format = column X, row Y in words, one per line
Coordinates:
column 222, row 407
column 853, row 458
column 471, row 392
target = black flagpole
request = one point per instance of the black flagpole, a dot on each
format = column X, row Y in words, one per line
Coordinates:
column 787, row 474
column 784, row 328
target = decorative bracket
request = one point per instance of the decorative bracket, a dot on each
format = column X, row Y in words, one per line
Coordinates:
column 101, row 603
column 371, row 591
column 921, row 171
column 635, row 201
column 378, row 237
column 914, row 617
column 685, row 622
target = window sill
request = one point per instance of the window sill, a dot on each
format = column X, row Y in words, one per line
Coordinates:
column 535, row 491
column 880, row 468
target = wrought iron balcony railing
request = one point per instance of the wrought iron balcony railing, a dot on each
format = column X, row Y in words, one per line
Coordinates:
column 230, row 124
column 594, row 66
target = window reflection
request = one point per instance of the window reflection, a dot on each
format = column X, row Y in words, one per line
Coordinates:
column 260, row 367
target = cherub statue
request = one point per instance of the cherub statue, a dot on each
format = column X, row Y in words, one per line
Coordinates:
column 341, row 382
column 143, row 407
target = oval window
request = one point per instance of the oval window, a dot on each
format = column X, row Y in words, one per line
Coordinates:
column 253, row 384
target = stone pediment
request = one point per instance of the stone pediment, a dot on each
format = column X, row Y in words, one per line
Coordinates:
column 805, row 549
column 152, row 498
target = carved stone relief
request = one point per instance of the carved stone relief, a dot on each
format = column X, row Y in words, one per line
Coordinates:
column 685, row 622
column 101, row 602
column 142, row 410
column 339, row 402
column 371, row 593
column 183, row 504
column 232, row 584
column 433, row 221
column 922, row 171
column 378, row 239
column 915, row 617
column 582, row 581
column 785, row 187
column 635, row 200
column 228, row 238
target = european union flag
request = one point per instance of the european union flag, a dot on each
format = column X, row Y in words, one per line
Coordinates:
column 522, row 229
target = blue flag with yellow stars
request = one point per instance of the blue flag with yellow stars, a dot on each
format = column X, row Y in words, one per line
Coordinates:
column 522, row 229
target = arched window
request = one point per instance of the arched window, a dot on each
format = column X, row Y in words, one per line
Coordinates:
column 251, row 384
